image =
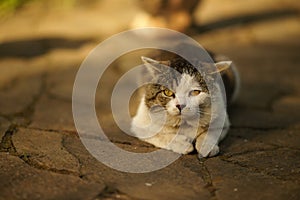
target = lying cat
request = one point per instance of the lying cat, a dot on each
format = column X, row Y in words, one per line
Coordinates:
column 181, row 108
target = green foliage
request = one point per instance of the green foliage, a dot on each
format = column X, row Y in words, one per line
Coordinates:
column 9, row 6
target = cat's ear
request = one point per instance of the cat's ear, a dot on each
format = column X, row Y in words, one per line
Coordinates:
column 222, row 66
column 154, row 66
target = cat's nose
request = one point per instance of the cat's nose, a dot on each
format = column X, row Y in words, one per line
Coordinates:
column 180, row 107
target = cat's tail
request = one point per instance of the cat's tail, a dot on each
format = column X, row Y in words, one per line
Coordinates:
column 231, row 79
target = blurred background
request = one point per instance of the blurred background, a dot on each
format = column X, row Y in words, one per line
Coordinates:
column 59, row 29
column 41, row 36
column 43, row 43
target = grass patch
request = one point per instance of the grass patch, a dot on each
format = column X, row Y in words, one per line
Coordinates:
column 10, row 6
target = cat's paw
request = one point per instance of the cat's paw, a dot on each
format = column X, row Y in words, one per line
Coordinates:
column 215, row 151
column 182, row 147
column 181, row 144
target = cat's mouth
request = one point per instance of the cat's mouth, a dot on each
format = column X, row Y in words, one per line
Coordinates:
column 184, row 115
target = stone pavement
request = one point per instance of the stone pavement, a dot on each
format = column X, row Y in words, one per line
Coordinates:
column 42, row 156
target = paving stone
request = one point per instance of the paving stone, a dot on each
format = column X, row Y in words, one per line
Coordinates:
column 162, row 184
column 4, row 124
column 44, row 150
column 274, row 162
column 60, row 83
column 28, row 88
column 60, row 88
column 260, row 90
column 246, row 140
column 257, row 118
column 53, row 114
column 234, row 181
column 25, row 182
column 288, row 105
column 263, row 73
column 279, row 138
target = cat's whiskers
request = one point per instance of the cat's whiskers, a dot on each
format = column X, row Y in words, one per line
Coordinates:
column 207, row 113
column 158, row 109
column 203, row 112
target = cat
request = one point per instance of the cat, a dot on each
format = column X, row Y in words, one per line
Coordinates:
column 182, row 104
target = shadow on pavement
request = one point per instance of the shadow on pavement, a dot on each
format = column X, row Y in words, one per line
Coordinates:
column 27, row 49
column 245, row 19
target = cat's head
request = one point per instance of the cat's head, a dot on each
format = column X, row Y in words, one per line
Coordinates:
column 178, row 87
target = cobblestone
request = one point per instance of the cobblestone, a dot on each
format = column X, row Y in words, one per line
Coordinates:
column 42, row 156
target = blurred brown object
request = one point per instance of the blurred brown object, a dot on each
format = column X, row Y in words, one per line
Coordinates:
column 173, row 14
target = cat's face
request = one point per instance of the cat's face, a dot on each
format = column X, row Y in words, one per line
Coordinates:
column 182, row 94
column 186, row 98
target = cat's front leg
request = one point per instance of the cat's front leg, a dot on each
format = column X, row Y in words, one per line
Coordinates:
column 198, row 145
column 215, row 150
column 178, row 144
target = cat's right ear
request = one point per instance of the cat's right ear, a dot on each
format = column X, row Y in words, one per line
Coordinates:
column 154, row 66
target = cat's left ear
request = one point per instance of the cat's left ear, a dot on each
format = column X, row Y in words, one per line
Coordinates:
column 222, row 66
column 154, row 66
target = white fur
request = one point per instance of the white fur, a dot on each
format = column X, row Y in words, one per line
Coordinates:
column 161, row 129
column 186, row 84
column 146, row 124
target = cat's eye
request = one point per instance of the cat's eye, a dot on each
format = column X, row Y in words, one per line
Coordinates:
column 194, row 92
column 168, row 93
